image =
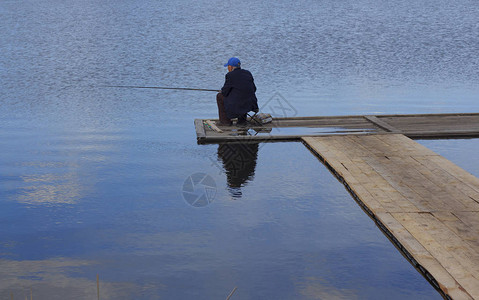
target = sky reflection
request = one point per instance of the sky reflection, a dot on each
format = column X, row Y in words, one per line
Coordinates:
column 91, row 178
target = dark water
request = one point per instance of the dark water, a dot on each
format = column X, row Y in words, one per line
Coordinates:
column 99, row 181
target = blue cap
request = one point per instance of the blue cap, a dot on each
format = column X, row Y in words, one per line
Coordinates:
column 234, row 62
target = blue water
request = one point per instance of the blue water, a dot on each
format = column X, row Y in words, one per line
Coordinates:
column 106, row 181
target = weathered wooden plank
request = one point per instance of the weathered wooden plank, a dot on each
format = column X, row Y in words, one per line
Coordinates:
column 466, row 255
column 463, row 276
column 424, row 201
column 456, row 171
column 440, row 133
column 449, row 186
column 376, row 121
column 345, row 173
column 470, row 218
column 415, row 126
column 370, row 145
column 403, row 145
column 414, row 175
column 447, row 283
column 213, row 138
column 213, row 126
column 423, row 257
column 397, row 178
column 382, row 189
column 468, row 233
column 200, row 129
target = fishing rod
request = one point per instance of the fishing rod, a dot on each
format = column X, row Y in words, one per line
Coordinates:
column 158, row 87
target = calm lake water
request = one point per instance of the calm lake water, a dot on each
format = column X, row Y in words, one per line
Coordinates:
column 97, row 180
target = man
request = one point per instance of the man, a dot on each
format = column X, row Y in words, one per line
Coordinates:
column 237, row 96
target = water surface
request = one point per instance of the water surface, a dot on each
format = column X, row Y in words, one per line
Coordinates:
column 93, row 180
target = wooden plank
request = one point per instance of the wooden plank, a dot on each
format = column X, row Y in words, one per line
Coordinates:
column 426, row 203
column 470, row 218
column 456, row 190
column 417, row 134
column 455, row 245
column 456, row 171
column 376, row 121
column 428, row 187
column 200, row 129
column 468, row 232
column 402, row 188
column 344, row 173
column 403, row 145
column 383, row 191
column 469, row 283
column 447, row 283
column 423, row 257
column 414, row 126
column 209, row 138
column 213, row 126
column 396, row 116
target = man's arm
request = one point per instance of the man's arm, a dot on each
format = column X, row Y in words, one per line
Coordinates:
column 255, row 104
column 252, row 81
column 226, row 89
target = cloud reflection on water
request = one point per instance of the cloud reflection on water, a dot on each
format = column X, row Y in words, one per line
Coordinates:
column 62, row 168
column 319, row 288
column 54, row 279
column 51, row 189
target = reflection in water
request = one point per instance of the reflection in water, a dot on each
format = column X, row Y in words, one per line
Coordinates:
column 52, row 279
column 317, row 288
column 88, row 175
column 51, row 189
column 239, row 162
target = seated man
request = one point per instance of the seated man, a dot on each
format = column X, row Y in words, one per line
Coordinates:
column 237, row 96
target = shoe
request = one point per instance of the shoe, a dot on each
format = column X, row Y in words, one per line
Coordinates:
column 242, row 124
column 224, row 124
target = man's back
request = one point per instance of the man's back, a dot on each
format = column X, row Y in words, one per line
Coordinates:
column 239, row 93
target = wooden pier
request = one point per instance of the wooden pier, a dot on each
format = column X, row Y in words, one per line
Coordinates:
column 426, row 205
column 413, row 126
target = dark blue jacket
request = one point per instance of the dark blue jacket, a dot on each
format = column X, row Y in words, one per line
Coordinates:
column 239, row 93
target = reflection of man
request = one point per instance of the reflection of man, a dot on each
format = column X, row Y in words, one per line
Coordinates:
column 239, row 162
column 237, row 96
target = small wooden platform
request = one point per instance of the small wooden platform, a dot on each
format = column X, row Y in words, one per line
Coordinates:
column 428, row 206
column 413, row 126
